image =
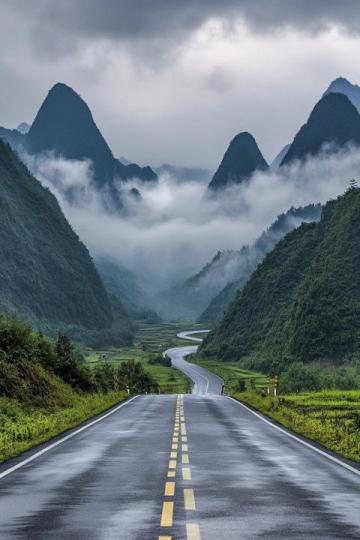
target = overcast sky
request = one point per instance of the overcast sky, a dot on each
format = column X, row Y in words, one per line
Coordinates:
column 175, row 80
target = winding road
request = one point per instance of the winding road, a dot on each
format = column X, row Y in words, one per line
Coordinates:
column 180, row 467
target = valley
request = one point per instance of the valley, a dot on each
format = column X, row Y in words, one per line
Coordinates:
column 179, row 270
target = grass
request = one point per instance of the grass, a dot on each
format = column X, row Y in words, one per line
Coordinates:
column 151, row 340
column 331, row 418
column 231, row 373
column 22, row 427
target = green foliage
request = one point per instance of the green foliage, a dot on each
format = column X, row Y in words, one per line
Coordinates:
column 328, row 417
column 160, row 360
column 303, row 301
column 46, row 274
column 22, row 427
column 300, row 377
column 135, row 379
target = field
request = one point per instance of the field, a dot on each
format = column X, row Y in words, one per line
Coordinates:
column 232, row 373
column 331, row 418
column 151, row 340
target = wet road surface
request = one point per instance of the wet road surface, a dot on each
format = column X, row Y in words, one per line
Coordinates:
column 180, row 467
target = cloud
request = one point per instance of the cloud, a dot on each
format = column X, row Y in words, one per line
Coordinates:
column 158, row 19
column 175, row 228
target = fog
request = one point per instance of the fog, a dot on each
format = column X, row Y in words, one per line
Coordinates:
column 175, row 228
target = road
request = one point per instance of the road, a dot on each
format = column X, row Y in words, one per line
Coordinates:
column 180, row 467
column 204, row 382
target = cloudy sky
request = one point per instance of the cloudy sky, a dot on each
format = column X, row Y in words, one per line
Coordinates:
column 174, row 81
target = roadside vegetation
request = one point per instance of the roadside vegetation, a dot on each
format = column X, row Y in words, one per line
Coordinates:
column 151, row 340
column 46, row 387
column 319, row 402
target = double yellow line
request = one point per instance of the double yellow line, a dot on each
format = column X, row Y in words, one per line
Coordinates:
column 179, row 438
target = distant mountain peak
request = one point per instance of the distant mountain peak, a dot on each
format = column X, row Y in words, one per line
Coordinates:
column 23, row 128
column 343, row 86
column 334, row 119
column 241, row 160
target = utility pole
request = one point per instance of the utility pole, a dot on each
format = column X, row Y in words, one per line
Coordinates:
column 276, row 385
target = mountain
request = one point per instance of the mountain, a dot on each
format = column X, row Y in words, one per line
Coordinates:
column 183, row 174
column 125, row 285
column 64, row 125
column 23, row 128
column 343, row 86
column 241, row 160
column 303, row 301
column 275, row 164
column 13, row 137
column 249, row 257
column 334, row 120
column 46, row 274
column 207, row 293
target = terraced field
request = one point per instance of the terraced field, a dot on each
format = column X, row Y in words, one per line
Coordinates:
column 151, row 340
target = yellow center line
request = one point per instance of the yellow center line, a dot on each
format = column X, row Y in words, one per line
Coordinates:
column 169, row 489
column 174, row 446
column 172, row 464
column 184, row 448
column 173, row 455
column 193, row 531
column 167, row 514
column 164, row 537
column 171, row 474
column 189, row 499
column 185, row 459
column 186, row 473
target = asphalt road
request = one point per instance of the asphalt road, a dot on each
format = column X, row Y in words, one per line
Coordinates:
column 204, row 382
column 173, row 467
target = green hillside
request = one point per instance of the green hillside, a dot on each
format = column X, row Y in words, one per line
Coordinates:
column 46, row 274
column 303, row 301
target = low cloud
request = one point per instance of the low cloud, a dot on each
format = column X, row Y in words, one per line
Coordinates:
column 175, row 228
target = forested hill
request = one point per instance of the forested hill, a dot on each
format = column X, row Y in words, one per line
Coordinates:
column 303, row 301
column 46, row 274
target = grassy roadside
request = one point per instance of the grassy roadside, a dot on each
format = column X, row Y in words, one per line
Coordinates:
column 22, row 427
column 151, row 340
column 329, row 417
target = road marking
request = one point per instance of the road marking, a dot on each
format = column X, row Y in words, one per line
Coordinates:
column 183, row 429
column 175, row 440
column 167, row 514
column 172, row 464
column 164, row 537
column 173, row 455
column 186, row 473
column 63, row 439
column 169, row 489
column 171, row 474
column 193, row 531
column 184, row 439
column 308, row 445
column 185, row 459
column 184, row 448
column 174, row 446
column 189, row 499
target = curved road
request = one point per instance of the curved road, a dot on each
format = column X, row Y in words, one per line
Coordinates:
column 192, row 467
column 204, row 382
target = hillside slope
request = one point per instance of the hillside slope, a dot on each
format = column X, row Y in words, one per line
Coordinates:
column 46, row 274
column 303, row 301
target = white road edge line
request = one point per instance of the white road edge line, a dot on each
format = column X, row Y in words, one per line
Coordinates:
column 60, row 441
column 308, row 445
